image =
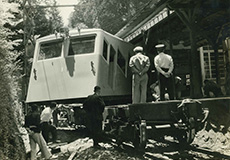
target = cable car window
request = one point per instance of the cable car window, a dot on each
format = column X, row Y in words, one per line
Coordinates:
column 105, row 49
column 50, row 50
column 112, row 54
column 81, row 45
column 121, row 61
column 111, row 78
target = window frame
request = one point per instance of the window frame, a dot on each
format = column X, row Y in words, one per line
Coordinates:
column 125, row 60
column 81, row 36
column 107, row 50
column 46, row 42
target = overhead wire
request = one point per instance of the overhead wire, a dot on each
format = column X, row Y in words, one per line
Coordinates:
column 115, row 21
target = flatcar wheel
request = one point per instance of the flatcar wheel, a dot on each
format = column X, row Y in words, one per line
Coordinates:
column 188, row 135
column 140, row 137
column 191, row 131
column 136, row 138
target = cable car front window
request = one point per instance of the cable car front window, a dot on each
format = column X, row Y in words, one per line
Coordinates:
column 81, row 45
column 50, row 50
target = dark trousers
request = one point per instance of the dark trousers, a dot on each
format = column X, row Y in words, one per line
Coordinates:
column 94, row 126
column 47, row 128
column 166, row 83
column 96, row 131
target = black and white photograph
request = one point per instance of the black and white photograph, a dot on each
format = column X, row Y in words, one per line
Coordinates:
column 114, row 79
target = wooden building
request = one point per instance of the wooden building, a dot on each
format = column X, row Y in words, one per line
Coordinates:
column 197, row 36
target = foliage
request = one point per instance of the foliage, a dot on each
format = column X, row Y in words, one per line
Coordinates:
column 44, row 19
column 11, row 145
column 40, row 20
column 109, row 15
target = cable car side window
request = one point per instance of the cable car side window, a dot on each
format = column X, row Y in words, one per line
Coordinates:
column 105, row 50
column 81, row 45
column 111, row 78
column 121, row 61
column 50, row 50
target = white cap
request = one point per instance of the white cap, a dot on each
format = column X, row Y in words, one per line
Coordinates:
column 160, row 46
column 138, row 48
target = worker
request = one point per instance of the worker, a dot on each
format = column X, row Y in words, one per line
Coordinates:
column 164, row 65
column 94, row 107
column 32, row 124
column 139, row 64
column 211, row 89
column 155, row 90
column 46, row 123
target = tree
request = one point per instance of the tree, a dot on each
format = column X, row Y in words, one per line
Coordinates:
column 12, row 60
column 40, row 19
column 84, row 13
column 109, row 15
column 45, row 19
column 11, row 144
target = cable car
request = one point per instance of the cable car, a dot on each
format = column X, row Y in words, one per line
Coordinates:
column 67, row 65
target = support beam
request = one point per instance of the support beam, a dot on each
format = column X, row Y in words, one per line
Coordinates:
column 196, row 29
column 188, row 18
column 195, row 69
column 215, row 47
column 171, row 49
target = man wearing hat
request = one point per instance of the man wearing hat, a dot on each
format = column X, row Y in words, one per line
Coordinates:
column 94, row 107
column 164, row 65
column 139, row 64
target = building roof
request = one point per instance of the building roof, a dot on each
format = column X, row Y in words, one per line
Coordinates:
column 150, row 10
column 209, row 19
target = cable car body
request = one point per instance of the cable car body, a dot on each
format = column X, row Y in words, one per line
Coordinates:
column 68, row 67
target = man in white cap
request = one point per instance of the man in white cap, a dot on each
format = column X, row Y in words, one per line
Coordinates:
column 164, row 65
column 139, row 64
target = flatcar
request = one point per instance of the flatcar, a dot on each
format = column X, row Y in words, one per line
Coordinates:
column 67, row 65
column 136, row 123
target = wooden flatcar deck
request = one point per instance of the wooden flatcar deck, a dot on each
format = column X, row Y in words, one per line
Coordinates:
column 162, row 109
column 158, row 111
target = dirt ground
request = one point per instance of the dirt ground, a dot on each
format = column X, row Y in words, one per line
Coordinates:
column 212, row 142
column 207, row 145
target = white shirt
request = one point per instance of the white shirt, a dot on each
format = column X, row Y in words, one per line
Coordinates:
column 140, row 62
column 46, row 115
column 163, row 60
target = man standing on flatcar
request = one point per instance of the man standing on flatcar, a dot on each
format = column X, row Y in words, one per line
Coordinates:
column 139, row 64
column 94, row 107
column 164, row 65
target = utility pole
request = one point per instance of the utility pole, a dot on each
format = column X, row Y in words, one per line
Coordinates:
column 28, row 20
column 29, row 9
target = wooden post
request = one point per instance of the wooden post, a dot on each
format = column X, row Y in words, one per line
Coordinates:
column 171, row 50
column 170, row 35
column 215, row 47
column 187, row 17
column 195, row 70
